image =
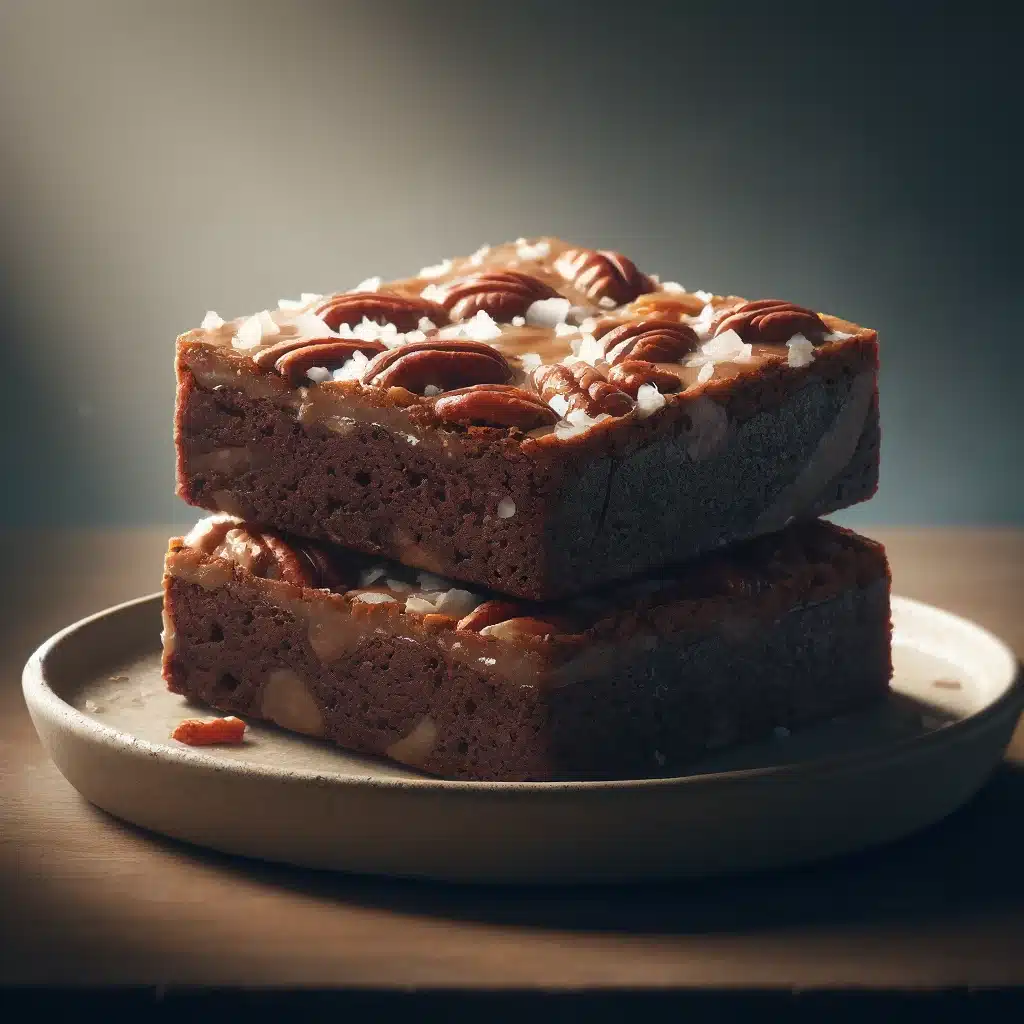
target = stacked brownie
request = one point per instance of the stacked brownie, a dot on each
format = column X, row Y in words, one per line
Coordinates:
column 530, row 514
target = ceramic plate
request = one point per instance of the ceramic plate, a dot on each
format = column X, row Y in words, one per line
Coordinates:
column 96, row 698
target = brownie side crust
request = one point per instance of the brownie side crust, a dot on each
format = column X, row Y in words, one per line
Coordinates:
column 644, row 694
column 549, row 524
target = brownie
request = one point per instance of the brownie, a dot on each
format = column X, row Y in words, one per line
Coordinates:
column 636, row 680
column 537, row 418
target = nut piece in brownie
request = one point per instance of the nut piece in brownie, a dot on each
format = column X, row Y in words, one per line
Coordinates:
column 637, row 680
column 497, row 418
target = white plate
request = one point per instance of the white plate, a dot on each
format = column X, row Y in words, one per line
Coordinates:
column 96, row 698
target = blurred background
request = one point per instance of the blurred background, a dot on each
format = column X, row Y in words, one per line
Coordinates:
column 160, row 159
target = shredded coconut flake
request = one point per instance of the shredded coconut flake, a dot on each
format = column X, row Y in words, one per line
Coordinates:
column 577, row 422
column 482, row 327
column 426, row 324
column 539, row 251
column 703, row 295
column 727, row 347
column 211, row 321
column 437, row 270
column 249, row 334
column 506, row 508
column 433, row 293
column 648, row 400
column 530, row 361
column 702, row 322
column 519, row 321
column 606, row 302
column 451, row 331
column 375, row 597
column 548, row 312
column 478, row 257
column 428, row 581
column 318, row 374
column 561, row 330
column 311, row 326
column 400, row 585
column 205, row 526
column 352, row 368
column 457, row 602
column 371, row 284
column 430, row 390
column 268, row 324
column 707, row 371
column 590, row 350
column 800, row 351
column 560, row 404
column 672, row 286
column 412, row 337
column 419, row 605
column 370, row 576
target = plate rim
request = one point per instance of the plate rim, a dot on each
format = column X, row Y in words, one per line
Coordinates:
column 38, row 693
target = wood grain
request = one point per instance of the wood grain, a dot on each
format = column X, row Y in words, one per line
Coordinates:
column 88, row 899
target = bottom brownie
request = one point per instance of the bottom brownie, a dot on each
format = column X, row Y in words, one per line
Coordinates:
column 637, row 681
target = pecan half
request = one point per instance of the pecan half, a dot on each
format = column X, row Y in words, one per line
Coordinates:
column 584, row 387
column 267, row 357
column 771, row 322
column 666, row 306
column 443, row 364
column 657, row 341
column 488, row 614
column 495, row 405
column 603, row 274
column 287, row 563
column 333, row 355
column 404, row 311
column 501, row 294
column 633, row 374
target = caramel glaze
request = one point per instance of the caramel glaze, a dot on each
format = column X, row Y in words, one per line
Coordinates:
column 229, row 363
column 757, row 582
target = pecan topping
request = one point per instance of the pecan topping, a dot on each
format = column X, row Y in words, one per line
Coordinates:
column 403, row 311
column 666, row 306
column 266, row 357
column 584, row 387
column 603, row 274
column 443, row 364
column 501, row 294
column 287, row 564
column 488, row 614
column 495, row 405
column 657, row 341
column 632, row 374
column 771, row 322
column 333, row 355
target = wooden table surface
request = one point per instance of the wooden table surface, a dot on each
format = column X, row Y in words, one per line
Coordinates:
column 86, row 899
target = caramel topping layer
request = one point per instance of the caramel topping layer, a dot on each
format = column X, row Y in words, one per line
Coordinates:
column 535, row 303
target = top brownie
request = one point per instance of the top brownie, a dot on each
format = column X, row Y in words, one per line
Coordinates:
column 537, row 418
